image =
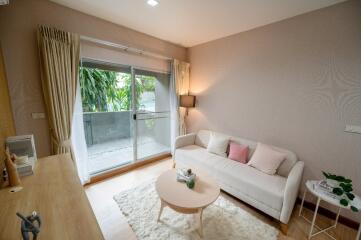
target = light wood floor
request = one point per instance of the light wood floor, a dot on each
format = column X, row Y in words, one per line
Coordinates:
column 115, row 226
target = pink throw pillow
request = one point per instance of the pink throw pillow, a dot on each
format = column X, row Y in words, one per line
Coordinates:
column 238, row 152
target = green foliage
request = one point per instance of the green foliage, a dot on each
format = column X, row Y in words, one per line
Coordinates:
column 343, row 189
column 97, row 89
column 336, row 177
column 147, row 82
column 125, row 94
column 344, row 202
column 337, row 191
column 354, row 209
column 101, row 91
column 350, row 196
column 346, row 187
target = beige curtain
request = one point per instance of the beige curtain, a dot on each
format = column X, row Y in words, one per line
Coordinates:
column 179, row 86
column 59, row 62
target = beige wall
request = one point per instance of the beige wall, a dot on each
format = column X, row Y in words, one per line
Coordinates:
column 18, row 22
column 293, row 84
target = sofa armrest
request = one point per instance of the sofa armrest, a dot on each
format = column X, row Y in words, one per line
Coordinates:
column 184, row 140
column 291, row 191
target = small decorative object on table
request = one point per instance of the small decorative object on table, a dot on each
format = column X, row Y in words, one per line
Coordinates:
column 12, row 173
column 28, row 225
column 191, row 183
column 187, row 176
column 23, row 153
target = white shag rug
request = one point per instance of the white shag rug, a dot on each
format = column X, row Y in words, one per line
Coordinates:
column 221, row 221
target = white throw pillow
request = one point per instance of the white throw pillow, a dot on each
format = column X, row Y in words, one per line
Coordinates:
column 266, row 159
column 218, row 144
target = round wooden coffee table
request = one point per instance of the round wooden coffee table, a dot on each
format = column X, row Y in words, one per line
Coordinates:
column 180, row 198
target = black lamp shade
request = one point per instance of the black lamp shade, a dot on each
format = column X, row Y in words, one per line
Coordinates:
column 187, row 101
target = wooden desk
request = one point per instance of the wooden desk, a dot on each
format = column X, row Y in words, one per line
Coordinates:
column 55, row 192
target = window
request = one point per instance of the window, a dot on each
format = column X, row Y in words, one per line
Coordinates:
column 118, row 132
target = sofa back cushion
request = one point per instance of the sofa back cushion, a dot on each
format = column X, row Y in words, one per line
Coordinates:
column 203, row 136
column 238, row 152
column 251, row 145
column 218, row 144
column 266, row 159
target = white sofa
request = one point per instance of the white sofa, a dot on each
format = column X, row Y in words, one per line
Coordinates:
column 273, row 194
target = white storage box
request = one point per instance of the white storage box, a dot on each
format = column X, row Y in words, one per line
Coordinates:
column 23, row 146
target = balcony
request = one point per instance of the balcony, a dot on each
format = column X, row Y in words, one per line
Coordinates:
column 110, row 140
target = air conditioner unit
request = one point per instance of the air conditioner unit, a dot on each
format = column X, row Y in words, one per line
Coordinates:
column 23, row 146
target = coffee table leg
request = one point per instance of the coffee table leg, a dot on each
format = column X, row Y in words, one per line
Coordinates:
column 200, row 213
column 162, row 205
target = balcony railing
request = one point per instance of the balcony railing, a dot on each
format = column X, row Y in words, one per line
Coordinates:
column 109, row 137
column 102, row 127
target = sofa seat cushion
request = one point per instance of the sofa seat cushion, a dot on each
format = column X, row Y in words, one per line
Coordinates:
column 196, row 157
column 263, row 188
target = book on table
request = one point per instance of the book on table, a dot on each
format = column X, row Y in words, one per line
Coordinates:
column 326, row 189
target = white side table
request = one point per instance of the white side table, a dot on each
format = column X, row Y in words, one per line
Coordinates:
column 322, row 195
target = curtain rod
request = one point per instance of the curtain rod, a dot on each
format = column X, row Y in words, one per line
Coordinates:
column 124, row 48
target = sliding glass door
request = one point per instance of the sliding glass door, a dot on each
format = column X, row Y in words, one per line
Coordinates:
column 107, row 114
column 151, row 113
column 126, row 114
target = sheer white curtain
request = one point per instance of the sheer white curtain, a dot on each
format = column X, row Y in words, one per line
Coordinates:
column 179, row 85
column 80, row 152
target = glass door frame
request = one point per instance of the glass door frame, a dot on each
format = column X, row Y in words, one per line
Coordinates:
column 136, row 112
column 134, row 124
column 134, row 115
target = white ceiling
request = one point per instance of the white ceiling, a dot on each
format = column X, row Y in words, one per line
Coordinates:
column 192, row 22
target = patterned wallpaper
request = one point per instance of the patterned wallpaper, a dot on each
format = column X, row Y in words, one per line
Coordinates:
column 294, row 84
